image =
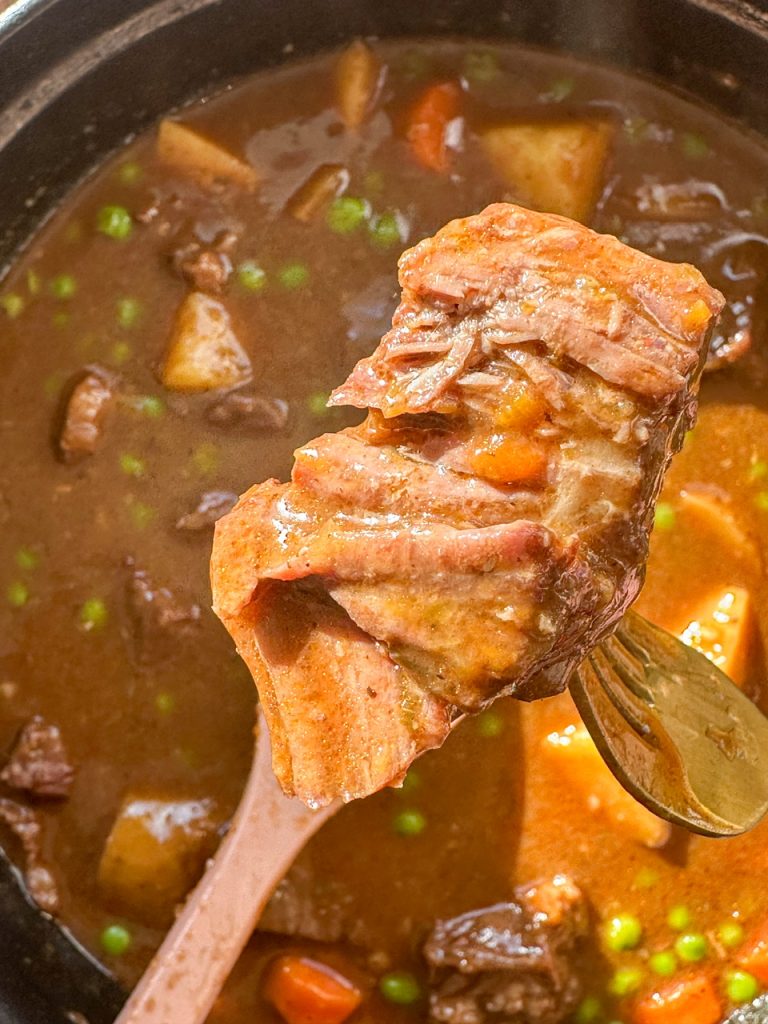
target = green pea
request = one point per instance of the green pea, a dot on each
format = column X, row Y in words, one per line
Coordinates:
column 664, row 963
column 589, row 1009
column 114, row 222
column 26, row 558
column 132, row 465
column 414, row 64
column 622, row 932
column 142, row 515
column 761, row 501
column 115, row 940
column 17, row 594
column 758, row 470
column 294, row 275
column 121, row 352
column 490, row 724
column 318, row 403
column 480, row 66
column 150, row 405
column 411, row 782
column 694, row 145
column 128, row 312
column 664, row 516
column 646, row 878
column 692, row 947
column 678, row 918
column 251, row 276
column 741, row 987
column 33, row 282
column 400, row 987
column 12, row 304
column 560, row 89
column 60, row 319
column 130, row 173
column 206, row 458
column 346, row 214
column 730, row 934
column 63, row 286
column 165, row 703
column 625, row 981
column 385, row 231
column 409, row 823
column 93, row 614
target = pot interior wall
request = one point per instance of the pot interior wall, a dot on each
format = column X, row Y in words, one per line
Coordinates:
column 76, row 79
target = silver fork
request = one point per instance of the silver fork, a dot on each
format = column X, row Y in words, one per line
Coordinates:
column 674, row 729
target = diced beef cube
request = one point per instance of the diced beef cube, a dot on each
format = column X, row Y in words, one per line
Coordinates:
column 160, row 617
column 510, row 963
column 241, row 408
column 85, row 416
column 38, row 763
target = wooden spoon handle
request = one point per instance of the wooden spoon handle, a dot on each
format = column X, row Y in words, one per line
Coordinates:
column 188, row 971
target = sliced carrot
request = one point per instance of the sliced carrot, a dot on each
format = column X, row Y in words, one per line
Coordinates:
column 753, row 955
column 428, row 123
column 510, row 460
column 305, row 991
column 693, row 1000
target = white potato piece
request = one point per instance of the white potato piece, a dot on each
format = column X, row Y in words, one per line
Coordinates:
column 552, row 166
column 583, row 768
column 204, row 353
column 154, row 854
column 358, row 77
column 189, row 151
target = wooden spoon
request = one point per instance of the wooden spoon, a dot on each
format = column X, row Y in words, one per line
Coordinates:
column 188, row 971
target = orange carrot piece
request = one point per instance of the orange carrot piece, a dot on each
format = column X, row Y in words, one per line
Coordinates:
column 427, row 124
column 510, row 460
column 693, row 1000
column 304, row 991
column 753, row 955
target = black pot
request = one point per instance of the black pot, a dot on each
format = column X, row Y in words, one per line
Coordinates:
column 78, row 77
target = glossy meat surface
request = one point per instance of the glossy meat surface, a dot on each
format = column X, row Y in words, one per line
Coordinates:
column 489, row 521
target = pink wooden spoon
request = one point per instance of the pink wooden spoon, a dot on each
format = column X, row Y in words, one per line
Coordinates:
column 188, row 971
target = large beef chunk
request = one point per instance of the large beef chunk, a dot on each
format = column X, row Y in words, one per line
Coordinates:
column 38, row 762
column 509, row 963
column 488, row 523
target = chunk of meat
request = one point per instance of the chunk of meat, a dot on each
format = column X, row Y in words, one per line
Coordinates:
column 160, row 617
column 295, row 909
column 154, row 853
column 416, row 567
column 211, row 506
column 204, row 353
column 241, row 409
column 85, row 415
column 511, row 962
column 205, row 270
column 38, row 762
column 24, row 824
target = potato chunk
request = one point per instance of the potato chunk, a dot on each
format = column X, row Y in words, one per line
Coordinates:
column 553, row 166
column 583, row 767
column 357, row 79
column 203, row 159
column 723, row 629
column 204, row 353
column 154, row 855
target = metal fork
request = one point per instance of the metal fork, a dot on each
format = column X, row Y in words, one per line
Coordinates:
column 674, row 729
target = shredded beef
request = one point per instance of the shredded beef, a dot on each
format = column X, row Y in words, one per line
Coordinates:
column 24, row 823
column 211, row 506
column 510, row 963
column 160, row 616
column 38, row 763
